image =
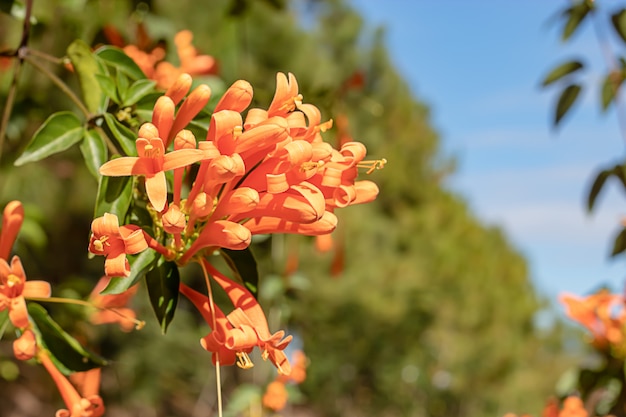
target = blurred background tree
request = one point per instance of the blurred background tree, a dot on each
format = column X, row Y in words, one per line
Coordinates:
column 417, row 310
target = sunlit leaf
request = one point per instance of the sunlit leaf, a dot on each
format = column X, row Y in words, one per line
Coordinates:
column 140, row 264
column 162, row 283
column 566, row 100
column 86, row 68
column 610, row 85
column 94, row 150
column 619, row 245
column 619, row 23
column 561, row 71
column 114, row 196
column 4, row 322
column 575, row 16
column 124, row 136
column 122, row 62
column 244, row 266
column 108, row 87
column 138, row 90
column 65, row 349
column 60, row 131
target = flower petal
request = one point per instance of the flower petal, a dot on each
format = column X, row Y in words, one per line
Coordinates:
column 12, row 219
column 156, row 188
column 37, row 289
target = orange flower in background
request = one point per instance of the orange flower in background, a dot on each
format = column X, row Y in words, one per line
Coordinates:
column 114, row 242
column 14, row 288
column 275, row 397
column 597, row 313
column 112, row 308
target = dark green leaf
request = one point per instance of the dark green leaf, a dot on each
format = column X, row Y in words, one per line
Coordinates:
column 60, row 131
column 123, row 135
column 140, row 264
column 561, row 71
column 596, row 187
column 114, row 196
column 162, row 283
column 138, row 90
column 566, row 100
column 244, row 267
column 108, row 87
column 6, row 5
column 619, row 245
column 86, row 68
column 118, row 59
column 619, row 23
column 94, row 150
column 575, row 16
column 122, row 83
column 610, row 85
column 67, row 350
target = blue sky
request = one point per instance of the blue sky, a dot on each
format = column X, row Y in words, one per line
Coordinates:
column 478, row 65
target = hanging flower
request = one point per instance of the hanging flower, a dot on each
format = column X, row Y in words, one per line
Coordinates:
column 115, row 242
column 14, row 288
column 12, row 218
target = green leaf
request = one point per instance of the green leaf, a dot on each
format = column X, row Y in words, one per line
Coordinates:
column 66, row 350
column 575, row 16
column 566, row 100
column 619, row 23
column 162, row 283
column 86, row 68
column 561, row 71
column 94, row 150
column 108, row 87
column 122, row 83
column 138, row 90
column 596, row 187
column 124, row 136
column 114, row 196
column 140, row 264
column 4, row 322
column 610, row 85
column 244, row 266
column 619, row 245
column 120, row 61
column 60, row 131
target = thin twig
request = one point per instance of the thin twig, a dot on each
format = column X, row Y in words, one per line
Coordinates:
column 6, row 114
column 60, row 84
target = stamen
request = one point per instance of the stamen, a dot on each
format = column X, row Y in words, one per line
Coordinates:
column 237, row 131
column 99, row 243
column 309, row 165
column 13, row 280
column 372, row 165
column 243, row 360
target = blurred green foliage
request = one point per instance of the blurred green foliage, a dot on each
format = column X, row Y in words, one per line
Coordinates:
column 432, row 314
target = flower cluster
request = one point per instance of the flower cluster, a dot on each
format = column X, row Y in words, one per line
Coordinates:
column 14, row 290
column 266, row 172
column 602, row 313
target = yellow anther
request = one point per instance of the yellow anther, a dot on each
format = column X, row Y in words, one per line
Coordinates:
column 307, row 166
column 243, row 360
column 237, row 131
column 372, row 165
column 99, row 243
column 13, row 280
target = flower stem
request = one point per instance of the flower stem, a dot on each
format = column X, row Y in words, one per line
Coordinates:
column 218, row 378
column 60, row 84
column 6, row 115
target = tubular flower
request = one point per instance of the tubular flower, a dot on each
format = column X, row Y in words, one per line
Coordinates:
column 89, row 404
column 152, row 163
column 114, row 242
column 14, row 288
column 12, row 219
column 25, row 347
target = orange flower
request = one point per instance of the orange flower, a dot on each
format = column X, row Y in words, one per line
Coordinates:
column 275, row 397
column 89, row 404
column 12, row 219
column 573, row 407
column 112, row 307
column 25, row 347
column 152, row 163
column 14, row 288
column 110, row 239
